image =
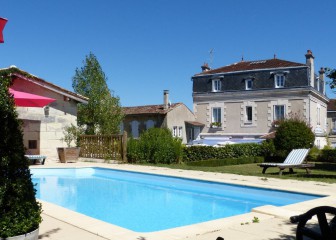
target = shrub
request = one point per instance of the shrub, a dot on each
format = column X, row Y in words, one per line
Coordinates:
column 327, row 155
column 71, row 134
column 155, row 145
column 291, row 134
column 314, row 154
column 20, row 213
column 268, row 148
column 197, row 153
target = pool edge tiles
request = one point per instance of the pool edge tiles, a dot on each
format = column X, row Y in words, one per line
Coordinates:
column 114, row 232
column 196, row 229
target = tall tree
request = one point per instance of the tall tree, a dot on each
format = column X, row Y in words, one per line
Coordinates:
column 102, row 114
column 331, row 73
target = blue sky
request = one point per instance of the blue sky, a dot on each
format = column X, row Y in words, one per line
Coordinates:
column 147, row 46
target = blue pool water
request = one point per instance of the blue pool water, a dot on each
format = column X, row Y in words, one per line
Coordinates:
column 145, row 202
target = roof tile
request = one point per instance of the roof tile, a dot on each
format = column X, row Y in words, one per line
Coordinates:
column 148, row 109
column 331, row 105
column 254, row 65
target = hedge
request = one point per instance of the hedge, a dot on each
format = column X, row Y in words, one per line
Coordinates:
column 198, row 153
column 327, row 155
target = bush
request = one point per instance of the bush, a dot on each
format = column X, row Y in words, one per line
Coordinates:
column 198, row 153
column 327, row 155
column 292, row 134
column 226, row 161
column 20, row 213
column 155, row 145
column 314, row 154
column 268, row 148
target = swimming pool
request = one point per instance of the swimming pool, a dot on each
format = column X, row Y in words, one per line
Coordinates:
column 146, row 202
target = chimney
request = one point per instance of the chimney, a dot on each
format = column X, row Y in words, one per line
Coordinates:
column 310, row 64
column 205, row 67
column 321, row 77
column 165, row 99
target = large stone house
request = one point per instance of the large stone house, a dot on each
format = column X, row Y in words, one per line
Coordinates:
column 176, row 116
column 43, row 127
column 245, row 100
column 331, row 122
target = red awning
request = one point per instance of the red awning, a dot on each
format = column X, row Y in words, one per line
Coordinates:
column 3, row 22
column 23, row 99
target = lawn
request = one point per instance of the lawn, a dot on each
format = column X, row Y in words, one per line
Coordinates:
column 323, row 172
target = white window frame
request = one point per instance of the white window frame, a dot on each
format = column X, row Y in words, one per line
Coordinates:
column 247, row 120
column 174, row 131
column 278, row 82
column 275, row 114
column 318, row 84
column 247, row 81
column 217, row 114
column 216, row 85
column 180, row 132
column 318, row 116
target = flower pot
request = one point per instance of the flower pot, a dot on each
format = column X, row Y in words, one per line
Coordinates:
column 66, row 154
column 28, row 236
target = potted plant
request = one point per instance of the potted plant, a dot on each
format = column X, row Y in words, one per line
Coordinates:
column 71, row 135
column 216, row 124
column 20, row 213
column 276, row 123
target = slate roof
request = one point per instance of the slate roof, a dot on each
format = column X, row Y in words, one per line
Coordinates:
column 332, row 105
column 254, row 65
column 149, row 109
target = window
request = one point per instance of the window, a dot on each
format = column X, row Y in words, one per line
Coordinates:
column 248, row 84
column 248, row 114
column 217, row 115
column 216, row 85
column 179, row 132
column 317, row 84
column 318, row 112
column 149, row 124
column 135, row 128
column 32, row 144
column 279, row 80
column 279, row 112
column 174, row 131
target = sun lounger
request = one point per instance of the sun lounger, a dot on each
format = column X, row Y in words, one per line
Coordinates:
column 35, row 158
column 294, row 160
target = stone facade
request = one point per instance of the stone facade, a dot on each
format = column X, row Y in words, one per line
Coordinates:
column 43, row 127
column 249, row 97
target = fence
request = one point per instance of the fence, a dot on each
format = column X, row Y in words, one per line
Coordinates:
column 104, row 146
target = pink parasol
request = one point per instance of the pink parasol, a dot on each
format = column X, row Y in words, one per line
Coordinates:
column 23, row 99
column 3, row 22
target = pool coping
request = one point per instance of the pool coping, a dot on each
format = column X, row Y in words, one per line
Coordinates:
column 110, row 231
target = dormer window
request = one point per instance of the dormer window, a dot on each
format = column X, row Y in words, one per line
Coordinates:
column 279, row 80
column 248, row 84
column 216, row 85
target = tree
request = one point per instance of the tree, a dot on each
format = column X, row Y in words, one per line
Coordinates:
column 20, row 213
column 331, row 73
column 291, row 134
column 102, row 114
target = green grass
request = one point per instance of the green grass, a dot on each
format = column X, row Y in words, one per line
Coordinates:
column 322, row 172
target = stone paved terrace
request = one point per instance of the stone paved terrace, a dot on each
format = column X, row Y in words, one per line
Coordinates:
column 62, row 224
